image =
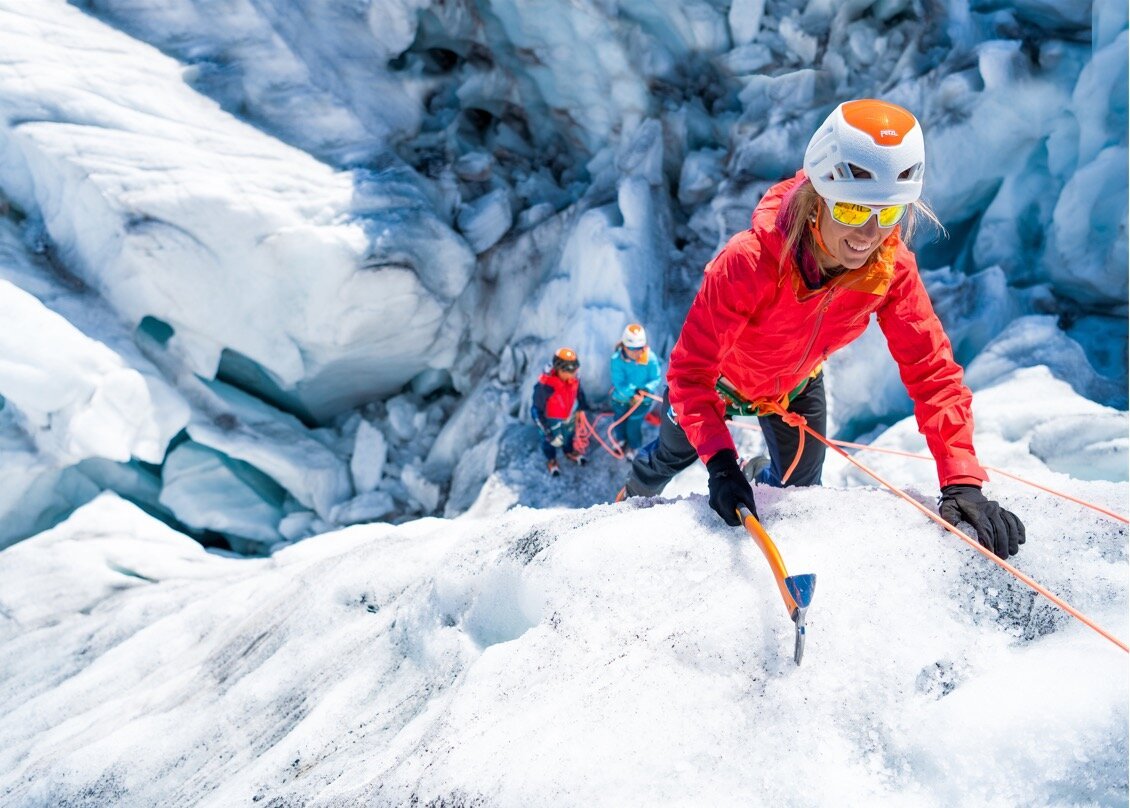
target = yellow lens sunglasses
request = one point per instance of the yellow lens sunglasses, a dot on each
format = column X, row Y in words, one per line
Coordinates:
column 853, row 215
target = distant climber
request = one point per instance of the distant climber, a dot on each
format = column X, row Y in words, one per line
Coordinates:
column 558, row 398
column 635, row 375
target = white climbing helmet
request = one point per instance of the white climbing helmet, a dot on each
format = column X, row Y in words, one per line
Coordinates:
column 881, row 141
column 634, row 336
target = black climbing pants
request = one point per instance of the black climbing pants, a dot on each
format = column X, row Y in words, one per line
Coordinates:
column 671, row 452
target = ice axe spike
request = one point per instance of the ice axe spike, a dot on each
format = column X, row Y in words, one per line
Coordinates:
column 796, row 590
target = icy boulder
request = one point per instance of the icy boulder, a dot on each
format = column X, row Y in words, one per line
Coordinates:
column 368, row 507
column 34, row 492
column 1037, row 340
column 334, row 287
column 485, row 220
column 1089, row 262
column 274, row 443
column 317, row 73
column 77, row 397
column 700, row 175
column 370, row 451
column 209, row 491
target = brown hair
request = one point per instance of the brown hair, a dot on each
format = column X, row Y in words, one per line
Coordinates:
column 804, row 203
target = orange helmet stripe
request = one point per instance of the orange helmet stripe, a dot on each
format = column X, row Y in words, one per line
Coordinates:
column 886, row 123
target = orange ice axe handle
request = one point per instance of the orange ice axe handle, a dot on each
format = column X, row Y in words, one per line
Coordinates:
column 796, row 590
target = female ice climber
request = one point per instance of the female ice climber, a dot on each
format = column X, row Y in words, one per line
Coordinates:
column 826, row 251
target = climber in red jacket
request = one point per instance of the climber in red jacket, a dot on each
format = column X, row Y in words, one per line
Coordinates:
column 825, row 252
column 557, row 399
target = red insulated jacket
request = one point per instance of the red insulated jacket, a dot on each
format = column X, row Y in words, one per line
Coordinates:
column 556, row 398
column 755, row 322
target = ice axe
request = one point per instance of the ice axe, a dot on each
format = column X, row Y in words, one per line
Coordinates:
column 796, row 590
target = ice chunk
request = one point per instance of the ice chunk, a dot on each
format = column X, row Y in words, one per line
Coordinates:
column 301, row 525
column 368, row 507
column 483, row 413
column 800, row 42
column 474, row 468
column 78, row 398
column 745, row 20
column 700, row 175
column 277, row 444
column 1037, row 340
column 404, row 417
column 422, row 491
column 1088, row 261
column 748, row 59
column 34, row 493
column 474, row 166
column 206, row 490
column 1099, row 101
column 485, row 220
column 370, row 450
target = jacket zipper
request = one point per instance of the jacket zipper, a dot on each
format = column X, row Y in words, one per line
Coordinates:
column 816, row 328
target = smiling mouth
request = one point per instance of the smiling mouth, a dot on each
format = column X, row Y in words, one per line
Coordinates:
column 858, row 247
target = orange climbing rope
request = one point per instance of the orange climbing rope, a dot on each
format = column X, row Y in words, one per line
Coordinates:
column 917, row 456
column 587, row 429
column 801, row 424
column 995, row 470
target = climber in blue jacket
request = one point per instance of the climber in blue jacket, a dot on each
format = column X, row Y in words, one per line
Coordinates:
column 635, row 372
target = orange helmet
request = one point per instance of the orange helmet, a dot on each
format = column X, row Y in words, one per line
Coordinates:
column 566, row 359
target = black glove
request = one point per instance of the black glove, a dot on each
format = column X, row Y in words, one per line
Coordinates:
column 728, row 487
column 997, row 529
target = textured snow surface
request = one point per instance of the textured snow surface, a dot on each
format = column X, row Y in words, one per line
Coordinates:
column 620, row 654
column 279, row 276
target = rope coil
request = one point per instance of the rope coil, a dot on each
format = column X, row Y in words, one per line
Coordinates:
column 587, row 429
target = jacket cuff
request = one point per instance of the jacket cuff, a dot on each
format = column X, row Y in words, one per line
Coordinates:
column 712, row 446
column 960, row 471
column 964, row 481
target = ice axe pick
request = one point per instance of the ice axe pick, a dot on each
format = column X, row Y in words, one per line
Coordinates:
column 796, row 590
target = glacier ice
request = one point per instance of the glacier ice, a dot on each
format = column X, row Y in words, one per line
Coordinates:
column 400, row 208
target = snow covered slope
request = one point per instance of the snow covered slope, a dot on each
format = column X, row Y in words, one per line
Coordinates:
column 632, row 654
